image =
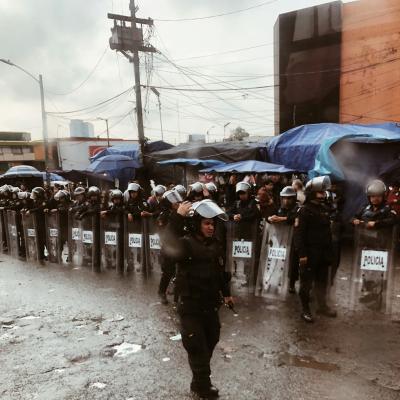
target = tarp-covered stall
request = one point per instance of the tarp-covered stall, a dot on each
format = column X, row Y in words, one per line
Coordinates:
column 354, row 154
column 226, row 152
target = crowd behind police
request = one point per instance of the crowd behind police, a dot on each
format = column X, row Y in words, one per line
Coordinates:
column 191, row 224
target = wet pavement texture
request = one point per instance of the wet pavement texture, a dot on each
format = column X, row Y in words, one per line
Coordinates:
column 70, row 334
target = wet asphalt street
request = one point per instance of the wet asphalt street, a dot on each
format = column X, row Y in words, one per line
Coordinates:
column 70, row 334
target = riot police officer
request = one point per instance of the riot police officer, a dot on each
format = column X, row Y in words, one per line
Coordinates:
column 154, row 201
column 181, row 190
column 287, row 215
column 117, row 206
column 313, row 242
column 202, row 283
column 245, row 211
column 37, row 208
column 171, row 200
column 79, row 203
column 212, row 190
column 377, row 213
column 134, row 202
column 196, row 192
column 62, row 205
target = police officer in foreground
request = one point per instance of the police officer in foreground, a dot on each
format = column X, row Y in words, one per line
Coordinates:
column 202, row 284
column 287, row 215
column 377, row 213
column 313, row 242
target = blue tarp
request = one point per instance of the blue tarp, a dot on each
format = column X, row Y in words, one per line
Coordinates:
column 193, row 162
column 53, row 177
column 22, row 171
column 353, row 154
column 130, row 150
column 116, row 166
column 250, row 166
column 307, row 148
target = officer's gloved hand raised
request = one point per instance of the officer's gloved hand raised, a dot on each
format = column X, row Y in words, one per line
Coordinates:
column 184, row 208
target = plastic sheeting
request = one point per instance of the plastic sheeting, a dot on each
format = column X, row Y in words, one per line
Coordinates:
column 192, row 162
column 249, row 166
column 130, row 150
column 307, row 148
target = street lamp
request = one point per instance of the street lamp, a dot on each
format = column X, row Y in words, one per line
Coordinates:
column 44, row 115
column 208, row 133
column 157, row 93
column 228, row 123
column 108, row 132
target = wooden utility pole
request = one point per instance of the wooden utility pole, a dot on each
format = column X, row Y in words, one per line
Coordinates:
column 136, row 68
column 129, row 39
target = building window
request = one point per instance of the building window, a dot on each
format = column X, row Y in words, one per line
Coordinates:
column 16, row 150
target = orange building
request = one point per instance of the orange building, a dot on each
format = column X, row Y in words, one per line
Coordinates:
column 338, row 62
column 370, row 54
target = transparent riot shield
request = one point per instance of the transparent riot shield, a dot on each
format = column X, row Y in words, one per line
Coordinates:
column 111, row 242
column 75, row 243
column 242, row 252
column 373, row 275
column 13, row 233
column 152, row 245
column 133, row 246
column 31, row 235
column 3, row 231
column 54, row 240
column 276, row 257
column 84, row 242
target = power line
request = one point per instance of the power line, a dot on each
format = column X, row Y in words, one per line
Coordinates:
column 95, row 105
column 185, row 89
column 224, row 52
column 86, row 79
column 216, row 15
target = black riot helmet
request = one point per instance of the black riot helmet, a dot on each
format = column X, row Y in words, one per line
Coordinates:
column 79, row 191
column 116, row 194
column 37, row 193
column 93, row 191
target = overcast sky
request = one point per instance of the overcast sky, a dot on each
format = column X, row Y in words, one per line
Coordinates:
column 65, row 39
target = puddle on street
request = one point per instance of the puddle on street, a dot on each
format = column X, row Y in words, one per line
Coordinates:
column 305, row 362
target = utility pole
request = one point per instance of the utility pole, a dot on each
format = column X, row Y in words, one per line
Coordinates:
column 44, row 115
column 44, row 125
column 136, row 68
column 129, row 39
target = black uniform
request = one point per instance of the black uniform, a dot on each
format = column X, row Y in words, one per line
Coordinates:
column 36, row 208
column 382, row 215
column 168, row 266
column 250, row 215
column 201, row 283
column 313, row 239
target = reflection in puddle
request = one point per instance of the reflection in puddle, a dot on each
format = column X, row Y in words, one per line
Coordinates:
column 305, row 362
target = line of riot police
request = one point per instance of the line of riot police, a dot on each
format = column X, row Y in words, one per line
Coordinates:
column 275, row 236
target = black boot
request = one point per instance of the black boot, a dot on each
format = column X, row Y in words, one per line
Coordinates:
column 307, row 316
column 209, row 392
